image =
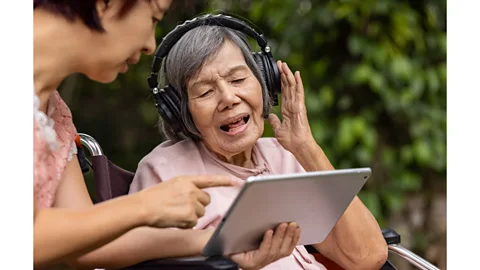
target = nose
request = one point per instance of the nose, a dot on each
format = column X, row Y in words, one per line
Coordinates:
column 151, row 44
column 228, row 96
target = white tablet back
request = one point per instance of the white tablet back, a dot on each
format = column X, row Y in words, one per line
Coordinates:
column 314, row 200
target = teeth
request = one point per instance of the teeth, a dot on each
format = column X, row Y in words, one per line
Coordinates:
column 236, row 120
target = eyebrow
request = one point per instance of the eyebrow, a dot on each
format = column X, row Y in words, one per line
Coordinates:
column 229, row 72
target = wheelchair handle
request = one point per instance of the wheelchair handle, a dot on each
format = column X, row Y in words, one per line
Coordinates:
column 393, row 241
column 91, row 144
column 411, row 257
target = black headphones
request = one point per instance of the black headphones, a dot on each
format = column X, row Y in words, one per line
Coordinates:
column 167, row 99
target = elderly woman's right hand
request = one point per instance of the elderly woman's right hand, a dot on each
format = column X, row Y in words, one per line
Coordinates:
column 179, row 202
column 274, row 246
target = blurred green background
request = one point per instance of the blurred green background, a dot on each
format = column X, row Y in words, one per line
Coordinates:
column 375, row 81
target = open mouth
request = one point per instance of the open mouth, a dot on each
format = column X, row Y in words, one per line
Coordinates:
column 235, row 124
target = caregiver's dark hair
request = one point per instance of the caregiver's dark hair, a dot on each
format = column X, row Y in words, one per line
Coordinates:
column 83, row 9
column 186, row 59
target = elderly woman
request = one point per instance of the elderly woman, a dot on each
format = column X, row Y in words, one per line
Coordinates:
column 225, row 100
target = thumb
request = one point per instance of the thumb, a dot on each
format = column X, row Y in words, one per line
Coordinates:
column 274, row 122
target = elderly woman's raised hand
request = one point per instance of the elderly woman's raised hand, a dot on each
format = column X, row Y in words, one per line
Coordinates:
column 274, row 246
column 178, row 202
column 293, row 132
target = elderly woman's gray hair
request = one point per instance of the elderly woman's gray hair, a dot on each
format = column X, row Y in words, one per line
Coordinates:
column 185, row 61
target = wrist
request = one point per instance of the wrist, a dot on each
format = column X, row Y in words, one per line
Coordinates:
column 312, row 158
column 140, row 212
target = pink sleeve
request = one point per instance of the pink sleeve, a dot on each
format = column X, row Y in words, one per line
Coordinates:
column 54, row 135
column 280, row 160
column 41, row 168
column 64, row 127
column 165, row 162
column 145, row 176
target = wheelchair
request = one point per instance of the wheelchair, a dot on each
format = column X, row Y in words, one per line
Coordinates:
column 112, row 181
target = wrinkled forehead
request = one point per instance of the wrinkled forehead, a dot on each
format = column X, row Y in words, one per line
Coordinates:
column 227, row 59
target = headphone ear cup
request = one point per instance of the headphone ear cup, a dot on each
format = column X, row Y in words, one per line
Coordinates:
column 257, row 56
column 170, row 107
column 258, row 59
column 164, row 110
column 270, row 73
column 273, row 75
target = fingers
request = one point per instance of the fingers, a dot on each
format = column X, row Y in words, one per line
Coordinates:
column 266, row 242
column 292, row 84
column 202, row 197
column 185, row 223
column 286, row 89
column 285, row 94
column 279, row 66
column 298, row 78
column 296, row 238
column 277, row 240
column 289, row 75
column 199, row 209
column 289, row 242
column 206, row 181
column 300, row 90
column 274, row 122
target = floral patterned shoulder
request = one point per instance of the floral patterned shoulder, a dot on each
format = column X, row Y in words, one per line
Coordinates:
column 54, row 146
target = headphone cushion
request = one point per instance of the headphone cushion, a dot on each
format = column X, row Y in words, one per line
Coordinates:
column 170, row 106
column 270, row 74
column 257, row 56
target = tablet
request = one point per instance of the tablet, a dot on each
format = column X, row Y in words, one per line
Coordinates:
column 314, row 200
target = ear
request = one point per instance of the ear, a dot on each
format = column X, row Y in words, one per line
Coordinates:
column 102, row 6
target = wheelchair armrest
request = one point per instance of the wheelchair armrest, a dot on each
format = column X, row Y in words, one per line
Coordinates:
column 200, row 263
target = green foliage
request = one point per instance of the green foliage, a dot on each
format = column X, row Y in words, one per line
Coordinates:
column 375, row 82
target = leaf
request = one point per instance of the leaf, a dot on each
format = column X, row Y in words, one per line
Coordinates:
column 410, row 181
column 377, row 82
column 401, row 67
column 361, row 73
column 433, row 81
column 312, row 102
column 364, row 156
column 356, row 44
column 394, row 201
column 406, row 154
column 422, row 152
column 326, row 95
column 345, row 134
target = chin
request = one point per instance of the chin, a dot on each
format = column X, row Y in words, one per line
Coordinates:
column 240, row 145
column 103, row 77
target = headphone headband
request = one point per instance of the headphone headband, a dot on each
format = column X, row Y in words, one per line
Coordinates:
column 176, row 34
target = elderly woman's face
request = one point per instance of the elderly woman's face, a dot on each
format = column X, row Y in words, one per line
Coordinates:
column 225, row 100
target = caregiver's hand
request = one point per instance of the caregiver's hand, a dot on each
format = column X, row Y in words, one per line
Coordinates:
column 273, row 247
column 293, row 132
column 179, row 202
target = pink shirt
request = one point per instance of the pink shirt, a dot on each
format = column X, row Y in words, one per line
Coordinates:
column 53, row 146
column 189, row 157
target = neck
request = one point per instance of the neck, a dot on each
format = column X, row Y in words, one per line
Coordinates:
column 243, row 159
column 55, row 55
